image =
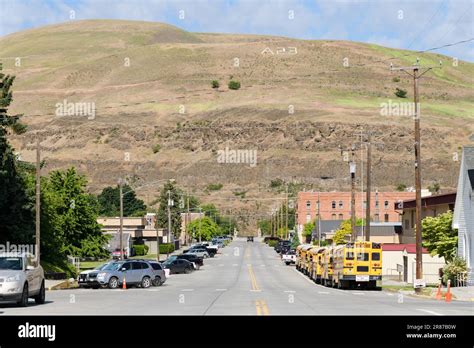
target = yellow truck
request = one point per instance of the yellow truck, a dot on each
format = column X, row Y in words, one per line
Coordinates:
column 302, row 257
column 357, row 265
column 327, row 267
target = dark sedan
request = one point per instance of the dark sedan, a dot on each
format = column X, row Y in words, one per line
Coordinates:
column 178, row 266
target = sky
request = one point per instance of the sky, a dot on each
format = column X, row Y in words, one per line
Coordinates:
column 408, row 24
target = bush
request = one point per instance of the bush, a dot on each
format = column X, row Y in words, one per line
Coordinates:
column 396, row 79
column 234, row 84
column 61, row 267
column 272, row 243
column 156, row 148
column 453, row 269
column 141, row 249
column 401, row 93
column 166, row 248
column 214, row 187
column 215, row 84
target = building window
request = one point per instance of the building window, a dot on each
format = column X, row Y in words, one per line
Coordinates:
column 412, row 218
column 365, row 204
column 386, row 217
column 386, row 204
column 333, row 204
column 341, row 217
column 376, row 204
column 333, row 216
column 308, row 205
column 376, row 218
column 308, row 218
column 341, row 204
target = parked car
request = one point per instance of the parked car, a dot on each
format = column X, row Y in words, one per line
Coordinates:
column 200, row 251
column 289, row 257
column 86, row 282
column 178, row 266
column 134, row 272
column 116, row 254
column 160, row 273
column 250, row 239
column 21, row 277
column 281, row 245
column 198, row 261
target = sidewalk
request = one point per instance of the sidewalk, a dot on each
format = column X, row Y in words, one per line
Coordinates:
column 464, row 293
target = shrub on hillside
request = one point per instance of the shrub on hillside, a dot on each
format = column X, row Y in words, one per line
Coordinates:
column 234, row 85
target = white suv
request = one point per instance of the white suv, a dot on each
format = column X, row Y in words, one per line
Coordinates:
column 21, row 278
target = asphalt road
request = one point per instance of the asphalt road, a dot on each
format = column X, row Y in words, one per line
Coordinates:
column 244, row 279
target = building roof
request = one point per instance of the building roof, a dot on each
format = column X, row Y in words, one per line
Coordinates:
column 383, row 228
column 327, row 226
column 429, row 201
column 410, row 248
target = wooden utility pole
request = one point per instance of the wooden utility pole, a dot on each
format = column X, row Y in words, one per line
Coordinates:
column 121, row 218
column 281, row 221
column 188, row 220
column 368, row 188
column 352, row 167
column 271, row 224
column 418, row 228
column 286, row 210
column 319, row 221
column 38, row 200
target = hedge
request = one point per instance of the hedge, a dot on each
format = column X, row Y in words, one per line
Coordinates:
column 272, row 243
column 141, row 249
column 166, row 248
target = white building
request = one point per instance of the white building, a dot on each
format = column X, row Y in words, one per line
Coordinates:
column 463, row 218
column 399, row 263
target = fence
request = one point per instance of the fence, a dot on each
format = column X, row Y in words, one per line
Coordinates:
column 430, row 272
column 75, row 261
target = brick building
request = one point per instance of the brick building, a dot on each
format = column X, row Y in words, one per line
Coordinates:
column 337, row 206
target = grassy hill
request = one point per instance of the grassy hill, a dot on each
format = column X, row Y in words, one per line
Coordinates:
column 164, row 96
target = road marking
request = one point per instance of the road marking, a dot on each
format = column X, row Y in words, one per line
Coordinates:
column 253, row 279
column 389, row 294
column 252, row 290
column 323, row 292
column 187, row 290
column 261, row 307
column 427, row 311
column 357, row 293
column 153, row 289
column 290, row 291
column 221, row 289
column 234, row 264
column 262, row 265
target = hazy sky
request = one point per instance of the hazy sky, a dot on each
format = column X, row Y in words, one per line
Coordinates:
column 411, row 24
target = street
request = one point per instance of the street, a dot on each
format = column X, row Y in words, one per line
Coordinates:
column 245, row 278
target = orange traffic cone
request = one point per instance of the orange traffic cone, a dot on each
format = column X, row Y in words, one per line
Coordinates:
column 448, row 296
column 124, row 284
column 439, row 295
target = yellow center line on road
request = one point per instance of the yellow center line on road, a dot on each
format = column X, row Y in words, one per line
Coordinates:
column 253, row 280
column 262, row 307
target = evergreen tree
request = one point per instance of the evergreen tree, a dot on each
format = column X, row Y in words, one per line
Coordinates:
column 109, row 201
column 162, row 215
column 16, row 208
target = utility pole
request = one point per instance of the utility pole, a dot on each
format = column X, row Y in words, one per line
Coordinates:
column 271, row 223
column 38, row 200
column 121, row 218
column 368, row 188
column 281, row 221
column 188, row 220
column 170, row 203
column 200, row 224
column 416, row 76
column 352, row 167
column 319, row 221
column 286, row 210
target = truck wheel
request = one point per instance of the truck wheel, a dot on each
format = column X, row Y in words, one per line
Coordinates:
column 24, row 297
column 41, row 297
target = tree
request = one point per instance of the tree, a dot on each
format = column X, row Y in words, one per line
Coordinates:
column 295, row 241
column 434, row 188
column 308, row 228
column 345, row 230
column 215, row 84
column 234, row 85
column 439, row 237
column 401, row 187
column 265, row 227
column 162, row 215
column 109, row 201
column 204, row 227
column 400, row 93
column 69, row 217
column 16, row 205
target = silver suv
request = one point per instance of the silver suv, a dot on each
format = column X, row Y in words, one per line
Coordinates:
column 133, row 272
column 21, row 277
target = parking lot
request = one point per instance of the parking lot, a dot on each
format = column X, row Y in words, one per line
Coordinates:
column 244, row 278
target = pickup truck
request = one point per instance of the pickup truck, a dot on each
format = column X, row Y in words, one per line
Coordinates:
column 289, row 257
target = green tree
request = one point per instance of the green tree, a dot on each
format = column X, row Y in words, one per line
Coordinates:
column 109, row 201
column 16, row 206
column 204, row 227
column 69, row 217
column 434, row 188
column 295, row 241
column 401, row 187
column 439, row 237
column 265, row 227
column 308, row 228
column 345, row 230
column 162, row 215
column 215, row 84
